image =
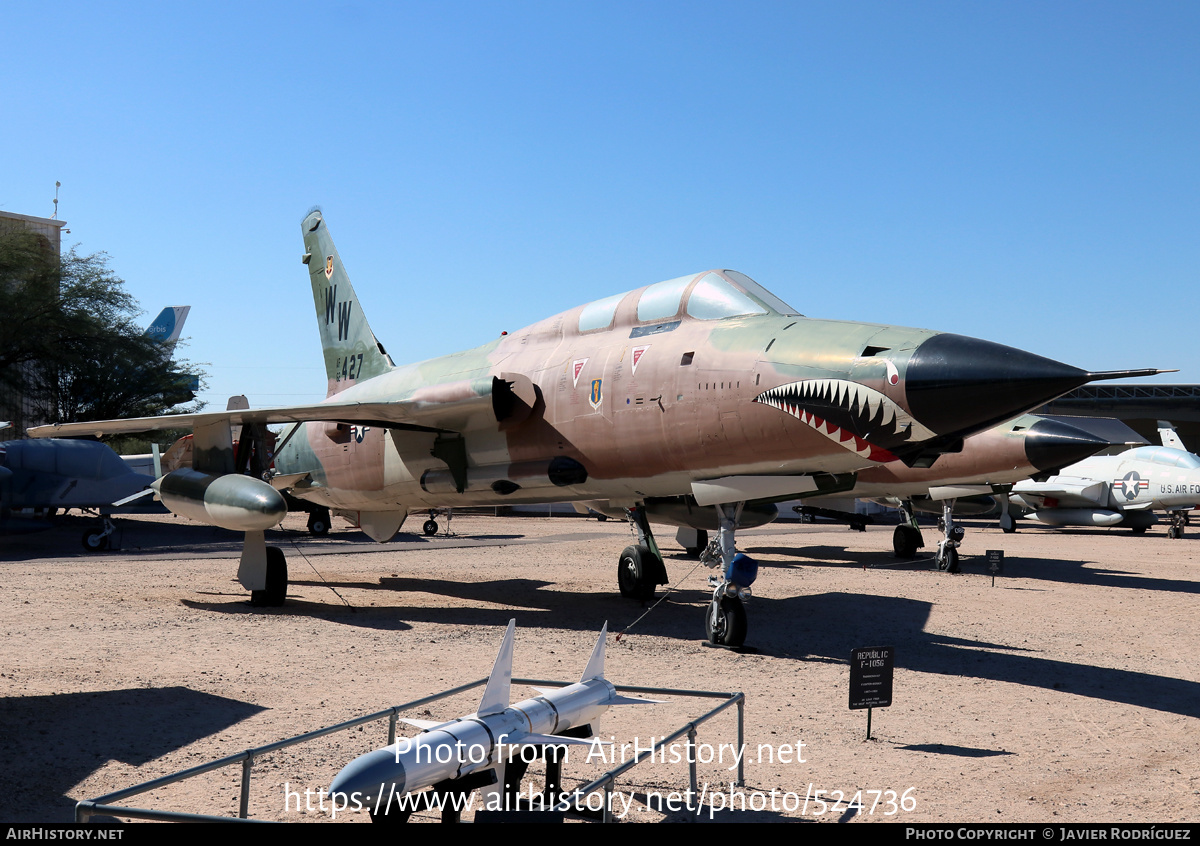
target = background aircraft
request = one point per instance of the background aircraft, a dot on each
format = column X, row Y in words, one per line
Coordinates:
column 706, row 388
column 989, row 463
column 64, row 474
column 1117, row 490
column 61, row 474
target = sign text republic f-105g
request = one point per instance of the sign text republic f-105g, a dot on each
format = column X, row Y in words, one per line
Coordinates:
column 705, row 389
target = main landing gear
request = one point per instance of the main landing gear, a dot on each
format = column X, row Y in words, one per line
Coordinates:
column 263, row 571
column 96, row 538
column 640, row 569
column 319, row 521
column 907, row 539
column 1178, row 521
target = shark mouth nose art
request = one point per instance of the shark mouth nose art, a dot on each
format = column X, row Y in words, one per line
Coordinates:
column 854, row 416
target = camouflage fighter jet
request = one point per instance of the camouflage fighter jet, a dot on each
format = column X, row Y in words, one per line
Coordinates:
column 988, row 466
column 705, row 389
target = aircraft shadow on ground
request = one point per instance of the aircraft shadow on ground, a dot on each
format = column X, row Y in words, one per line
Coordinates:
column 972, row 561
column 54, row 742
column 489, row 603
column 827, row 626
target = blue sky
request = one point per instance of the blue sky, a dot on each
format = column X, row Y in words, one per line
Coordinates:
column 1027, row 173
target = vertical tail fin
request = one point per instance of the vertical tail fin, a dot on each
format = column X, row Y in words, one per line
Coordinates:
column 595, row 664
column 351, row 349
column 496, row 693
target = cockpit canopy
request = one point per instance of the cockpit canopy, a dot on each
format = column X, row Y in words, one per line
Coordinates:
column 712, row 295
column 1165, row 456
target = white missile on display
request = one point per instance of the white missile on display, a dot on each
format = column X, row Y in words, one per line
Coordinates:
column 481, row 741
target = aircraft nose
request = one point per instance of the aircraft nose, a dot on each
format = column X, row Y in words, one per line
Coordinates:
column 959, row 385
column 1052, row 444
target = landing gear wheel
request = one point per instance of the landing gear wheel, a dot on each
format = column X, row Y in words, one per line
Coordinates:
column 1139, row 530
column 904, row 542
column 701, row 545
column 277, row 581
column 634, row 573
column 725, row 622
column 95, row 540
column 1174, row 533
column 1008, row 530
column 318, row 522
column 948, row 561
column 429, row 527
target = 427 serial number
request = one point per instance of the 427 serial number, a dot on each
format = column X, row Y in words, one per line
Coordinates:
column 887, row 802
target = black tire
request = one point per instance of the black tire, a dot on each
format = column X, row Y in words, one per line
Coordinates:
column 94, row 540
column 1174, row 533
column 277, row 581
column 634, row 573
column 904, row 542
column 701, row 544
column 729, row 628
column 602, row 518
column 1008, row 530
column 318, row 522
column 429, row 527
column 949, row 561
column 1139, row 530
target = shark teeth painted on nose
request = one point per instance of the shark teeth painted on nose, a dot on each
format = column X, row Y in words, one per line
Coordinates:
column 848, row 414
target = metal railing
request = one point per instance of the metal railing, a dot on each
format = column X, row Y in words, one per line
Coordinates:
column 88, row 808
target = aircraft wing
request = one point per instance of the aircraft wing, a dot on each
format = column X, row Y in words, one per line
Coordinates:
column 455, row 406
column 1069, row 491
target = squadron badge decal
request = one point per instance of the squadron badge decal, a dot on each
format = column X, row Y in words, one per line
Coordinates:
column 596, row 396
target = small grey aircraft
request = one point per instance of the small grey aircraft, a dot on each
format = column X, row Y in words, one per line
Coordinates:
column 1117, row 490
column 62, row 473
column 705, row 390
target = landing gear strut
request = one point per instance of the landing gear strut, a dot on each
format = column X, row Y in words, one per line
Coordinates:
column 947, row 551
column 96, row 539
column 1008, row 523
column 319, row 521
column 263, row 571
column 1178, row 521
column 725, row 623
column 906, row 540
column 640, row 569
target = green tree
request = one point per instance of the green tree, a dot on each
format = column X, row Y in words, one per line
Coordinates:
column 69, row 343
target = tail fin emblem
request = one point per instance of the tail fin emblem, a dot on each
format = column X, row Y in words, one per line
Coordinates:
column 328, row 266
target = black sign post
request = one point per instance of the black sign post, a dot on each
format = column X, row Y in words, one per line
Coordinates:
column 871, row 671
column 995, row 560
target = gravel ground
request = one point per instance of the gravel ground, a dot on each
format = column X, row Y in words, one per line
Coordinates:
column 1065, row 692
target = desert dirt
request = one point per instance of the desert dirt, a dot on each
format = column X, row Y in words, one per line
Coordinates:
column 1068, row 691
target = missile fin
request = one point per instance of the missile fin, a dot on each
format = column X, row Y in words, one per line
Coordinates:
column 595, row 664
column 425, row 725
column 496, row 694
column 618, row 699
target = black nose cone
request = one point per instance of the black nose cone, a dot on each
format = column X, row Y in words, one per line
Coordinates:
column 1052, row 444
column 959, row 385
